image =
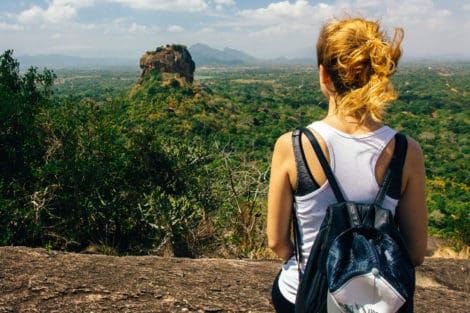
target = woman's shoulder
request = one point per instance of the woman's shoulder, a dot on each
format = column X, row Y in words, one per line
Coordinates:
column 285, row 140
column 283, row 156
column 284, row 148
column 414, row 161
column 414, row 148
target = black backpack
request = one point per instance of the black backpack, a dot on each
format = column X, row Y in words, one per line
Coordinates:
column 359, row 261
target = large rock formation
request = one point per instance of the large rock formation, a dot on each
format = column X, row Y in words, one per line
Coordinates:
column 171, row 61
column 39, row 280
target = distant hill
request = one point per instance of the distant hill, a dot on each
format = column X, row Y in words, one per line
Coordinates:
column 203, row 55
column 58, row 61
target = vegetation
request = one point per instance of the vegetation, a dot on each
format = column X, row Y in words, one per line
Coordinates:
column 176, row 47
column 140, row 167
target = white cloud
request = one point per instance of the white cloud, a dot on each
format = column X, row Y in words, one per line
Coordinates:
column 58, row 11
column 120, row 27
column 419, row 15
column 430, row 28
column 280, row 28
column 10, row 27
column 220, row 5
column 368, row 3
column 207, row 30
column 277, row 10
column 74, row 3
column 33, row 15
column 224, row 2
column 409, row 9
column 167, row 5
column 175, row 29
column 55, row 13
column 286, row 12
column 137, row 28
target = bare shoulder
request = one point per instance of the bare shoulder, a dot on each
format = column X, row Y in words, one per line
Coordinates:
column 415, row 153
column 285, row 138
column 284, row 144
column 414, row 172
column 283, row 158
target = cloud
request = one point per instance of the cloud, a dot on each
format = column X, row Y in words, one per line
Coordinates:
column 286, row 12
column 220, row 5
column 55, row 13
column 165, row 5
column 224, row 2
column 137, row 28
column 175, row 29
column 10, row 27
column 74, row 3
column 276, row 11
column 58, row 11
column 420, row 16
column 266, row 29
column 207, row 30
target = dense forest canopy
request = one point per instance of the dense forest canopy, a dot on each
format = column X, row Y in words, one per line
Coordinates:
column 92, row 158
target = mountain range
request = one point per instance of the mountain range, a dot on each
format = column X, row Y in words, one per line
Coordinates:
column 202, row 54
column 59, row 61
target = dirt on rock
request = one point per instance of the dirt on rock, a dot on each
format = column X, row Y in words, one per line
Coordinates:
column 39, row 280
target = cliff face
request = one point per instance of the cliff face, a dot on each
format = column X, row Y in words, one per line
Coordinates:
column 172, row 61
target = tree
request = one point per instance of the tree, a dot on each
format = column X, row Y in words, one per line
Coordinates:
column 21, row 99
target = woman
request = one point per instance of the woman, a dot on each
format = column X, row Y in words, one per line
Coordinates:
column 355, row 62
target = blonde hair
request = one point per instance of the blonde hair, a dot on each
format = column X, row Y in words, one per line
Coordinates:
column 359, row 60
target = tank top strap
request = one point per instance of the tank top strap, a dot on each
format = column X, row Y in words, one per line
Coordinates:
column 305, row 181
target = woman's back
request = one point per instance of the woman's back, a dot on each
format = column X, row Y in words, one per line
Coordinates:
column 353, row 159
column 355, row 60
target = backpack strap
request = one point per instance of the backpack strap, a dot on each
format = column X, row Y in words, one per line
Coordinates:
column 305, row 181
column 394, row 171
column 325, row 165
column 396, row 165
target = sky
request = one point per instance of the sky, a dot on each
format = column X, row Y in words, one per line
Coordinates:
column 264, row 29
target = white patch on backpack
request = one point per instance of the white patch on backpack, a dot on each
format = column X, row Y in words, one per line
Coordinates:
column 353, row 296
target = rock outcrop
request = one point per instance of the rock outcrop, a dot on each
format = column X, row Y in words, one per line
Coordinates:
column 39, row 280
column 172, row 61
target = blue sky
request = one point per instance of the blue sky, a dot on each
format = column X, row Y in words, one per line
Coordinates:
column 265, row 29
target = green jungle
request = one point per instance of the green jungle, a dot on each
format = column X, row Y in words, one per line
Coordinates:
column 99, row 158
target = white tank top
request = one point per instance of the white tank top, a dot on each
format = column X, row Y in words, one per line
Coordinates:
column 353, row 159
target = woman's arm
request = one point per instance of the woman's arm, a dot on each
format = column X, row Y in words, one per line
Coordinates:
column 412, row 210
column 280, row 198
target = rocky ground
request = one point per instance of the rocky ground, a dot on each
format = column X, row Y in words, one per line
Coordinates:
column 38, row 280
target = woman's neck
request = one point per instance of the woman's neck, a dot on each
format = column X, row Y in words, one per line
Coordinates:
column 349, row 124
column 352, row 125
